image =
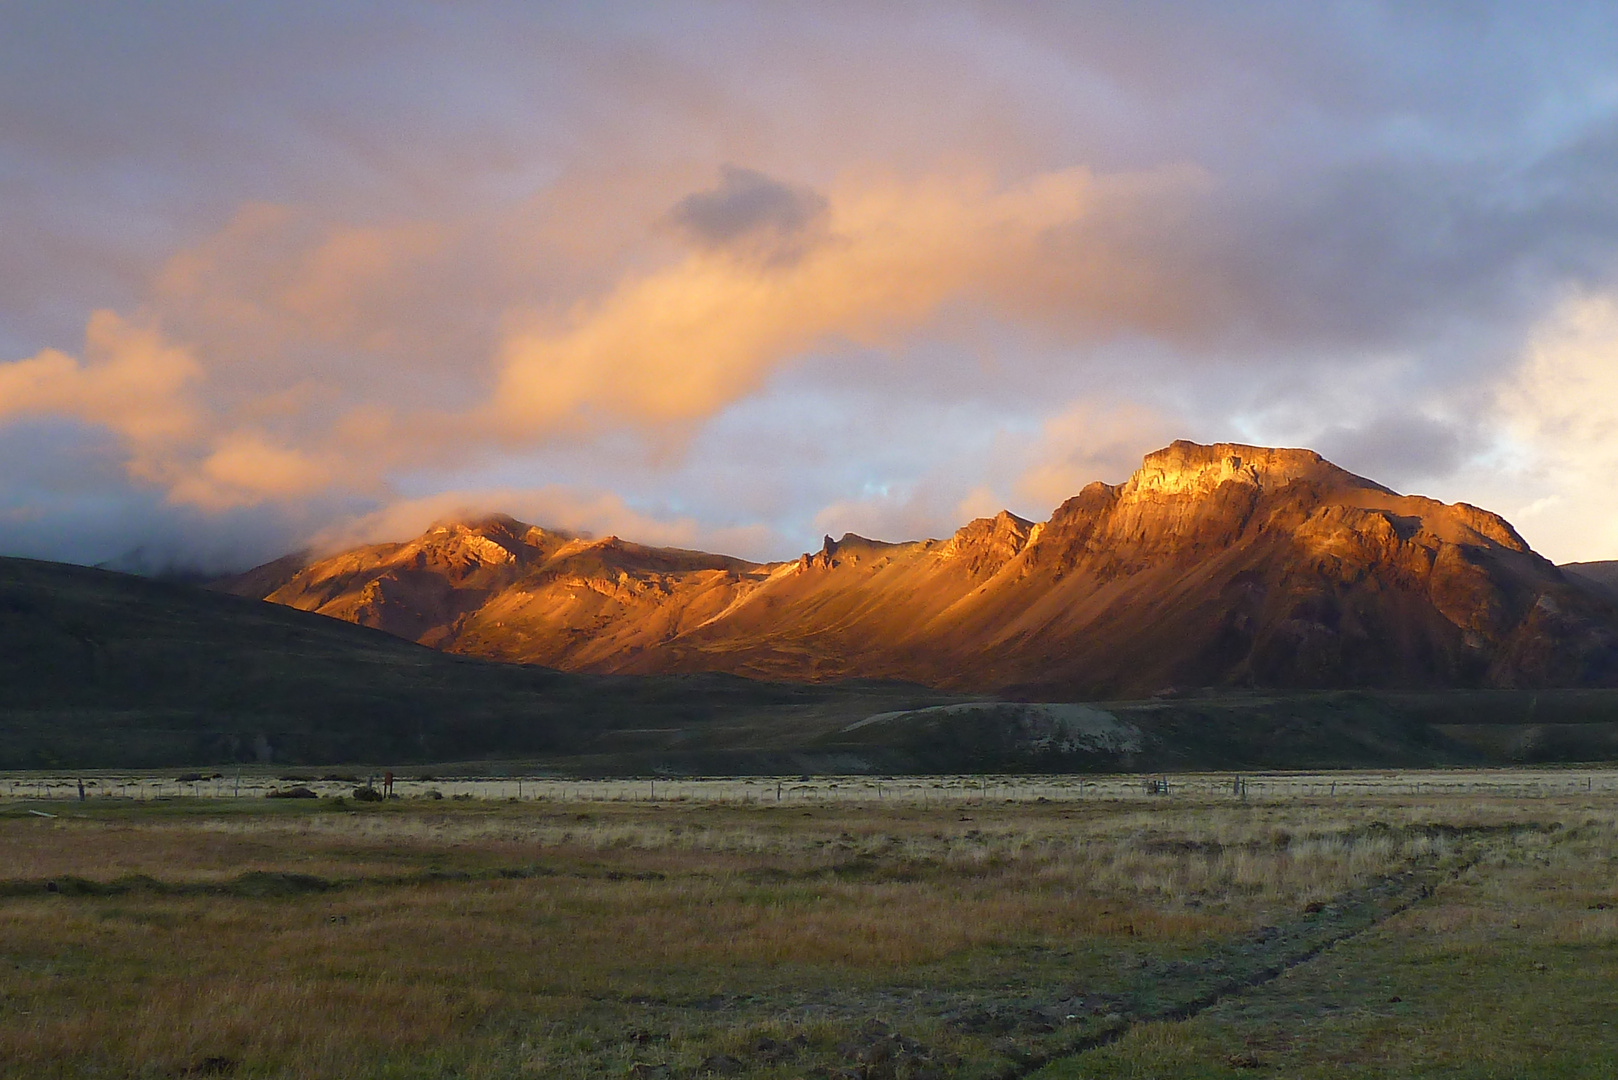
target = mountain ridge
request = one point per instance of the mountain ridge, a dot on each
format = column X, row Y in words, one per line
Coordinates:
column 1212, row 565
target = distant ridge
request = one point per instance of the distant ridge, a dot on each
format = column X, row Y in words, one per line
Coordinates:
column 1602, row 573
column 260, row 581
column 1213, row 565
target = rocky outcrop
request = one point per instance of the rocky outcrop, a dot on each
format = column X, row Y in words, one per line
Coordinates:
column 987, row 544
column 1212, row 565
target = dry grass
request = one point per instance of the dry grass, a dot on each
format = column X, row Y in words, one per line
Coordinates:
column 802, row 921
column 1506, row 971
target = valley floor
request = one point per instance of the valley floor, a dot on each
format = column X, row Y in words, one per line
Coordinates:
column 1304, row 930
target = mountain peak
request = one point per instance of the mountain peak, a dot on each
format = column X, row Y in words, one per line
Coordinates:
column 482, row 524
column 1188, row 468
column 990, row 541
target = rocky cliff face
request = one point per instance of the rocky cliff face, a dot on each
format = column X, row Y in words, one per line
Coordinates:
column 1212, row 565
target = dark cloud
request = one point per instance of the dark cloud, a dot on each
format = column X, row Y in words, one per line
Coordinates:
column 65, row 497
column 750, row 211
column 1401, row 448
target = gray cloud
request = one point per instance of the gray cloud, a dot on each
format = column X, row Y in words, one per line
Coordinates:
column 751, row 211
column 1401, row 449
column 66, row 498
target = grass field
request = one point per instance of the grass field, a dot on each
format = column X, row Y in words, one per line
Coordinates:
column 1403, row 927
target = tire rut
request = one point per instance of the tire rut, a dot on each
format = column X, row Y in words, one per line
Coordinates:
column 1408, row 896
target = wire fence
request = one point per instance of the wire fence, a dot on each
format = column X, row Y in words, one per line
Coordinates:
column 897, row 790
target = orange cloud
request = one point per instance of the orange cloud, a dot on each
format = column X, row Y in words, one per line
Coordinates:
column 344, row 283
column 567, row 509
column 1090, row 441
column 149, row 391
column 130, row 381
column 244, row 469
column 680, row 343
column 320, row 357
column 274, row 268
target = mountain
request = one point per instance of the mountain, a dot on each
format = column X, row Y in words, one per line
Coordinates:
column 1221, row 565
column 1603, row 574
column 107, row 670
column 260, row 581
column 104, row 670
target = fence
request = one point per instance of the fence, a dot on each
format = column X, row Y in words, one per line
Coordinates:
column 898, row 790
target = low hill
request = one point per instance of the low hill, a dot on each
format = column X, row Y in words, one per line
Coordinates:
column 1213, row 566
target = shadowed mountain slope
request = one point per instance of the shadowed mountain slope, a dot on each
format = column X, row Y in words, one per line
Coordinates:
column 1603, row 574
column 106, row 670
column 1223, row 565
column 260, row 581
column 100, row 669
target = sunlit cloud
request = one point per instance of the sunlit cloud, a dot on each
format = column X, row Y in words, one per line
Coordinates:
column 1560, row 416
column 988, row 255
column 679, row 344
column 1090, row 441
column 584, row 513
column 870, row 265
column 243, row 470
column 129, row 380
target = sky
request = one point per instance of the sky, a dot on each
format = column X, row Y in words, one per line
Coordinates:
column 735, row 275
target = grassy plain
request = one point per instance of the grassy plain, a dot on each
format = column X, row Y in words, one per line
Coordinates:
column 1198, row 935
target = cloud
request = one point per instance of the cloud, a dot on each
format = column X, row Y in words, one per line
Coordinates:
column 130, row 381
column 1029, row 472
column 570, row 247
column 280, row 297
column 676, row 345
column 67, row 496
column 1561, row 417
column 1565, row 397
column 285, row 277
column 148, row 392
column 244, row 469
column 900, row 513
column 557, row 507
column 1090, row 441
column 303, row 373
column 1402, row 446
column 751, row 213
